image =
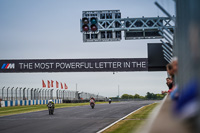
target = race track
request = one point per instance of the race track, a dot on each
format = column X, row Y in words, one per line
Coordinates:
column 80, row 119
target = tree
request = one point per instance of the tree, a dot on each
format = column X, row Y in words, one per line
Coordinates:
column 142, row 97
column 130, row 97
column 149, row 96
column 154, row 96
column 124, row 96
column 136, row 96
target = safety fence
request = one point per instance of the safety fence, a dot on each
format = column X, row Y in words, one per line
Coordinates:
column 23, row 96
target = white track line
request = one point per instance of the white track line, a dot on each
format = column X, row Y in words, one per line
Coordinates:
column 118, row 120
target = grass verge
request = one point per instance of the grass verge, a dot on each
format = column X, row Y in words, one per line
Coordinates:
column 133, row 121
column 32, row 108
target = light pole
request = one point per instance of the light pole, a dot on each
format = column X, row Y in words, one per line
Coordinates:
column 118, row 92
column 76, row 94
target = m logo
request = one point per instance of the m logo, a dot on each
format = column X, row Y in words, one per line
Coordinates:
column 8, row 66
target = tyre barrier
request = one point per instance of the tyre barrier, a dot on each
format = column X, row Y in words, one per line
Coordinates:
column 27, row 102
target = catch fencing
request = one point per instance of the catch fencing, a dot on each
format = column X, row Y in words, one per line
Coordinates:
column 25, row 93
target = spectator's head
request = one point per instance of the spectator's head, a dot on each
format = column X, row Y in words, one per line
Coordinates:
column 174, row 63
column 168, row 81
column 170, row 69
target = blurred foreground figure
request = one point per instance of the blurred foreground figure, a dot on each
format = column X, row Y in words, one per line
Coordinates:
column 180, row 111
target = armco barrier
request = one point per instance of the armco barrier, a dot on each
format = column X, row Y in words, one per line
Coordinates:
column 27, row 102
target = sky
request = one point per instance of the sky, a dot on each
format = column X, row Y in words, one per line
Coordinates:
column 50, row 29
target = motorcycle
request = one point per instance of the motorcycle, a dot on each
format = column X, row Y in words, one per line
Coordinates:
column 50, row 108
column 92, row 103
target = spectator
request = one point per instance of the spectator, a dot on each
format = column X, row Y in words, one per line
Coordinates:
column 170, row 70
column 174, row 64
column 169, row 83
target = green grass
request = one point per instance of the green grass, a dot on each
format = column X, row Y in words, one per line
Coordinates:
column 132, row 122
column 32, row 108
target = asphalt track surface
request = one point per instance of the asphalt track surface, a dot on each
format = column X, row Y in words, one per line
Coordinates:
column 80, row 119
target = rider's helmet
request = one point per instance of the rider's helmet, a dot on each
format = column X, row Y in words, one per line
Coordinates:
column 50, row 101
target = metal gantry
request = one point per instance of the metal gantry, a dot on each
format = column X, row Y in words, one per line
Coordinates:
column 109, row 26
column 168, row 35
column 127, row 24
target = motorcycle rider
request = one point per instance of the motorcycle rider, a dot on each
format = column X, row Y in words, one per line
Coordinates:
column 92, row 98
column 50, row 104
column 92, row 102
column 109, row 100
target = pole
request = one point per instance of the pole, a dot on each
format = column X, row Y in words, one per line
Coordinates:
column 3, row 93
column 118, row 92
column 76, row 93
